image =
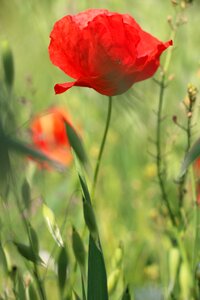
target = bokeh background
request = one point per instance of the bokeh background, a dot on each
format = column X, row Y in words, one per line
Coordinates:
column 127, row 194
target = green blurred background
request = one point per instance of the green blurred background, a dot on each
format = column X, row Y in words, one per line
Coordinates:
column 127, row 192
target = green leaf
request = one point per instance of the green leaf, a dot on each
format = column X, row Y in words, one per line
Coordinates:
column 190, row 157
column 85, row 190
column 27, row 252
column 34, row 240
column 97, row 278
column 26, row 194
column 78, row 248
column 8, row 63
column 32, row 292
column 126, row 295
column 62, row 268
column 24, row 149
column 90, row 220
column 76, row 143
column 52, row 225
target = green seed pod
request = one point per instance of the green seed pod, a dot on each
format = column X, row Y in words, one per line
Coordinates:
column 78, row 248
column 90, row 219
column 8, row 63
column 185, row 281
column 174, row 259
column 113, row 280
column 27, row 252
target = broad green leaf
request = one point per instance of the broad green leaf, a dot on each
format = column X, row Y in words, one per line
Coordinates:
column 97, row 278
column 190, row 157
column 76, row 143
column 27, row 252
column 62, row 268
column 126, row 295
column 52, row 225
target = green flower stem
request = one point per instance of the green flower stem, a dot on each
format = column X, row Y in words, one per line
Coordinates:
column 169, row 52
column 160, row 170
column 188, row 130
column 96, row 172
column 160, row 173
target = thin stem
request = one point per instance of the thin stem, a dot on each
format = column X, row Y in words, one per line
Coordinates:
column 160, row 171
column 96, row 172
column 183, row 181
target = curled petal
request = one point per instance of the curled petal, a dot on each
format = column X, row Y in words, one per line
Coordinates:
column 60, row 88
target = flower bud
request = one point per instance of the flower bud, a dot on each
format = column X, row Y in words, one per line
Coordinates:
column 8, row 64
column 192, row 92
column 78, row 248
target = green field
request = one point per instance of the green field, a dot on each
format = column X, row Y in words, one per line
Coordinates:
column 128, row 202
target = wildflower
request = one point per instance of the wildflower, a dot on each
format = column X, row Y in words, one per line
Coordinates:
column 103, row 50
column 49, row 135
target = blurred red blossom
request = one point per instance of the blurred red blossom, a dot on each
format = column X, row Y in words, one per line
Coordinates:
column 103, row 50
column 49, row 135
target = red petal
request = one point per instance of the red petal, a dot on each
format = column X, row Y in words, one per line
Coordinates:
column 60, row 88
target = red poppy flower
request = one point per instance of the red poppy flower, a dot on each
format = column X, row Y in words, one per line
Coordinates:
column 105, row 51
column 49, row 135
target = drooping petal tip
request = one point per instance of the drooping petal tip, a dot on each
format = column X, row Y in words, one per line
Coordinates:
column 60, row 88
